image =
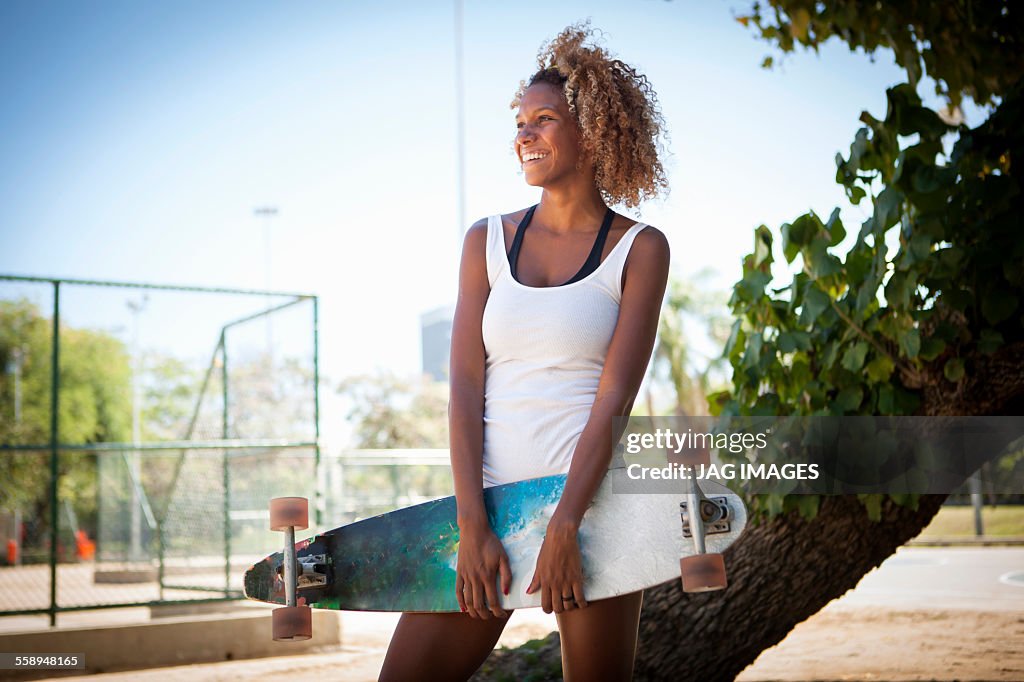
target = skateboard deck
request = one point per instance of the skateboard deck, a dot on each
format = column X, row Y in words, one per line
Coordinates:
column 405, row 560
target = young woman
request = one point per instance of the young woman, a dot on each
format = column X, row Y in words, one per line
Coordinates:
column 545, row 352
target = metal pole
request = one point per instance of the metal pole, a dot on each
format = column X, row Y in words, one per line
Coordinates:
column 974, row 485
column 135, row 462
column 226, row 472
column 267, row 213
column 460, row 126
column 318, row 501
column 54, row 452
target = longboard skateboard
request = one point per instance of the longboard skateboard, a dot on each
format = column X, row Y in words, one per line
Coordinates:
column 405, row 560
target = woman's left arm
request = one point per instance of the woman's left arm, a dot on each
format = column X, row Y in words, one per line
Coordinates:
column 558, row 571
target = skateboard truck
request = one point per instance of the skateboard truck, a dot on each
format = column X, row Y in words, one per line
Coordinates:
column 292, row 622
column 310, row 571
column 703, row 571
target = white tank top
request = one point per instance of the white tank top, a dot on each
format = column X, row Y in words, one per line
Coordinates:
column 545, row 349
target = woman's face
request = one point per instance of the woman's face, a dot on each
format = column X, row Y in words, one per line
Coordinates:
column 547, row 143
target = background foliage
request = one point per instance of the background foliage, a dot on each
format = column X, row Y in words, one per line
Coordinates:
column 902, row 320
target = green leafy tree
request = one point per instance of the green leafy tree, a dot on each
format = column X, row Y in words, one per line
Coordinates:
column 95, row 406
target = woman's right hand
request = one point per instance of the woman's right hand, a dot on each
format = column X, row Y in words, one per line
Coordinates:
column 481, row 559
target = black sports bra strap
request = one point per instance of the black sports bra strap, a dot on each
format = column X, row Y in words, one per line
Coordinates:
column 593, row 260
column 517, row 241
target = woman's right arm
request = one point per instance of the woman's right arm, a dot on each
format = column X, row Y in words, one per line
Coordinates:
column 481, row 556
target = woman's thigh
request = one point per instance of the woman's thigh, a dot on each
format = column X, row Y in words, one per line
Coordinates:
column 599, row 641
column 439, row 646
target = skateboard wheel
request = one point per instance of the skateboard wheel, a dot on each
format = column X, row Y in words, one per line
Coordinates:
column 703, row 572
column 289, row 511
column 292, row 623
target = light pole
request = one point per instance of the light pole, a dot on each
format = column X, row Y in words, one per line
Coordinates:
column 267, row 214
column 460, row 141
column 135, row 463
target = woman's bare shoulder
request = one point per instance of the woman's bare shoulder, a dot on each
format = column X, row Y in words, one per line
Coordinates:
column 649, row 249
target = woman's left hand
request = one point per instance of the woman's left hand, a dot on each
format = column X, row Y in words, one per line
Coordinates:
column 559, row 572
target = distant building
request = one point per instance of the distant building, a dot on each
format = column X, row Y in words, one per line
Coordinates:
column 436, row 341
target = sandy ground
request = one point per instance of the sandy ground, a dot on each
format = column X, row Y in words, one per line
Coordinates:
column 863, row 643
column 926, row 614
column 839, row 643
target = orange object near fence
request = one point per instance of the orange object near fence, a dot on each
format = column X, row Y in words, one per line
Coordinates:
column 84, row 547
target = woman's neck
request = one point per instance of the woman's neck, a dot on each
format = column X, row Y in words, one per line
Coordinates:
column 570, row 209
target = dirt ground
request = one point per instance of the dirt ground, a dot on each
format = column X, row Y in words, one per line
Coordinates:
column 841, row 642
column 864, row 643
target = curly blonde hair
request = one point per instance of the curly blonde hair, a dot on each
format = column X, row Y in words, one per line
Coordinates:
column 616, row 111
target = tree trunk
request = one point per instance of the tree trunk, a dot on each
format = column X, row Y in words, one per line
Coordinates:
column 780, row 573
column 786, row 569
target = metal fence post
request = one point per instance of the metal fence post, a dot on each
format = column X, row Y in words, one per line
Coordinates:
column 318, row 493
column 54, row 452
column 226, row 473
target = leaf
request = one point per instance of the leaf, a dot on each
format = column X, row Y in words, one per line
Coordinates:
column 954, row 370
column 910, row 343
column 873, row 505
column 853, row 358
column 887, row 209
column 931, row 348
column 989, row 341
column 828, row 357
column 835, row 228
column 734, row 337
column 998, row 306
column 849, row 399
column 789, row 248
column 886, row 400
column 920, row 247
column 815, row 302
column 821, row 261
column 801, row 20
column 751, row 287
column 752, row 356
column 789, row 341
column 855, row 194
column 899, row 288
column 880, row 369
column 762, row 246
column 809, row 505
column 804, row 229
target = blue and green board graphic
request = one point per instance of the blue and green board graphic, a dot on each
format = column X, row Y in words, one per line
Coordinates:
column 405, row 560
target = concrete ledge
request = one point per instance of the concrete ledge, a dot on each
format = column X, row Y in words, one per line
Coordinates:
column 173, row 641
column 125, row 575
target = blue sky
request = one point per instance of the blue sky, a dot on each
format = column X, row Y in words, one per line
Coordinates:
column 137, row 138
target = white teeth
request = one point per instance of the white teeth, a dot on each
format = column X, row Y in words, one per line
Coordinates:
column 531, row 157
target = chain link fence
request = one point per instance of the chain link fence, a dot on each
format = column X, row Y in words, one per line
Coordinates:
column 142, row 430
